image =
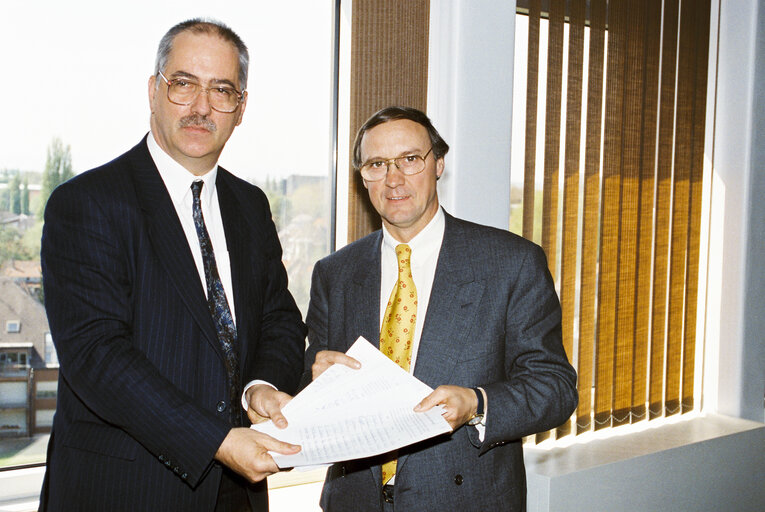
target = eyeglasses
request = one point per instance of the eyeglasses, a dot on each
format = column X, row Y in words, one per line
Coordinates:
column 409, row 165
column 183, row 91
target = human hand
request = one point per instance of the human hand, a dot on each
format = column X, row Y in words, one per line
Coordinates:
column 265, row 403
column 246, row 451
column 460, row 404
column 326, row 358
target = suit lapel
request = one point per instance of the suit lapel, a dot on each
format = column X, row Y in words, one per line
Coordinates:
column 240, row 248
column 169, row 241
column 364, row 298
column 453, row 299
column 451, row 309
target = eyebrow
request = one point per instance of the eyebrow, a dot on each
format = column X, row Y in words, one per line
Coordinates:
column 406, row 152
column 191, row 76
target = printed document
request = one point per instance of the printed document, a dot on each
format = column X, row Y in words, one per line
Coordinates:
column 349, row 414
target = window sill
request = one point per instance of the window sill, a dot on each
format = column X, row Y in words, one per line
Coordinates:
column 703, row 463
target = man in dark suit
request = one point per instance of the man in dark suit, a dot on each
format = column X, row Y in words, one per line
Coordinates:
column 165, row 293
column 486, row 332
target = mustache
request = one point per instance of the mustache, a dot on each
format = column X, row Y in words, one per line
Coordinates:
column 198, row 121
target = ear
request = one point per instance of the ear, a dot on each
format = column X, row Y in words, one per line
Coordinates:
column 439, row 167
column 243, row 104
column 152, row 91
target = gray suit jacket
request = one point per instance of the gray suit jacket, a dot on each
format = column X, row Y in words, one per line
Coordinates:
column 493, row 321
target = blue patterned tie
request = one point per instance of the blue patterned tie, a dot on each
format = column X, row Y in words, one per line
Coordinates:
column 218, row 304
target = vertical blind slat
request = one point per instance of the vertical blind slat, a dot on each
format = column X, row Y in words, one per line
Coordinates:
column 532, row 87
column 680, row 210
column 647, row 197
column 569, row 240
column 701, row 36
column 552, row 132
column 610, row 210
column 628, row 217
column 590, row 209
column 552, row 139
column 663, row 208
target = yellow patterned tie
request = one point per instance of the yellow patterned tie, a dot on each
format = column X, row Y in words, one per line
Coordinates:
column 397, row 332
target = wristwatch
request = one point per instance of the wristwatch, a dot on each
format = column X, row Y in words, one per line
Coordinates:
column 477, row 418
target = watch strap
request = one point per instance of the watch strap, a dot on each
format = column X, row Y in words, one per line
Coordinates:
column 481, row 407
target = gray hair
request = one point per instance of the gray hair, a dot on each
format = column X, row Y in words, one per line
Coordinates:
column 203, row 26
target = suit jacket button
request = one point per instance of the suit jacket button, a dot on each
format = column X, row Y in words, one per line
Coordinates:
column 458, row 479
column 221, row 406
column 184, row 476
column 162, row 458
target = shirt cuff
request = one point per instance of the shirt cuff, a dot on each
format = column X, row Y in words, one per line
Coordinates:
column 481, row 427
column 245, row 405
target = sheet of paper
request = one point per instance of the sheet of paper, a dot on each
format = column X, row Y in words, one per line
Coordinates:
column 349, row 414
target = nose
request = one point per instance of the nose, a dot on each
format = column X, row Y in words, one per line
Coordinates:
column 394, row 177
column 201, row 104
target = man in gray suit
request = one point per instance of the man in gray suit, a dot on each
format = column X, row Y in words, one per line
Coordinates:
column 486, row 332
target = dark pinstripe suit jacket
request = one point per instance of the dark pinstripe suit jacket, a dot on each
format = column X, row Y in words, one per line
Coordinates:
column 493, row 321
column 142, row 400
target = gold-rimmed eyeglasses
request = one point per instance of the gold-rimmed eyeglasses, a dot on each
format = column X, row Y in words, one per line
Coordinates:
column 409, row 165
column 183, row 91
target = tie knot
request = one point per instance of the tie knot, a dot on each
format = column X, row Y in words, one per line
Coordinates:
column 196, row 188
column 404, row 254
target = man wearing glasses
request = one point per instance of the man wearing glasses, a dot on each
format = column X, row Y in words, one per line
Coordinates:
column 469, row 310
column 168, row 305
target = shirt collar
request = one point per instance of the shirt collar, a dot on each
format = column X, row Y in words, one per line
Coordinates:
column 177, row 178
column 430, row 236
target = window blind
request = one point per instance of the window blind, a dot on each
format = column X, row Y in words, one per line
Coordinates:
column 620, row 224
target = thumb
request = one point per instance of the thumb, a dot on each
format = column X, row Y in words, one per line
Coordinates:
column 427, row 403
column 271, row 444
column 278, row 418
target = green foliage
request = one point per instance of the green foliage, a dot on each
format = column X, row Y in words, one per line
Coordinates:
column 58, row 169
column 14, row 189
column 12, row 246
column 31, row 238
column 25, row 196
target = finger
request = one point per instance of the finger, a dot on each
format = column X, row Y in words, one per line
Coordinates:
column 327, row 358
column 272, row 444
column 430, row 401
column 273, row 404
column 278, row 418
column 330, row 357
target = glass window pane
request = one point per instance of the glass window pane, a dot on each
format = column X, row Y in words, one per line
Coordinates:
column 85, row 65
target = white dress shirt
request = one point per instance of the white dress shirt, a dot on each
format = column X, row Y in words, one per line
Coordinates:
column 178, row 182
column 425, row 247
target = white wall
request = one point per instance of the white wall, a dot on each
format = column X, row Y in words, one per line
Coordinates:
column 470, row 98
column 735, row 359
